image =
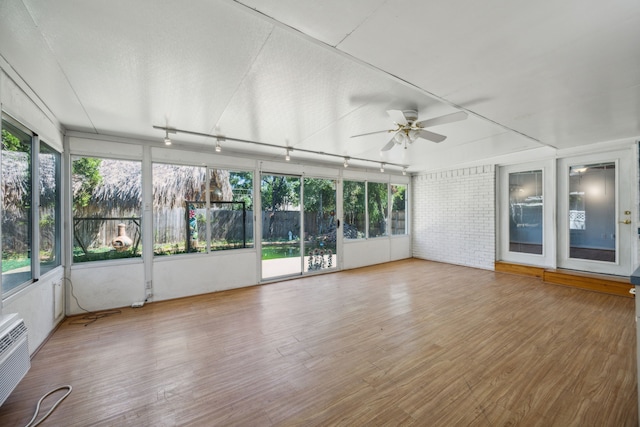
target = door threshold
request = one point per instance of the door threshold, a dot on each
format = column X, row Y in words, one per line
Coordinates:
column 603, row 283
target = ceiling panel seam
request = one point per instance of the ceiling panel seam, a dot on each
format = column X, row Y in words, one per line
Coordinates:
column 373, row 12
column 22, row 84
column 62, row 70
column 398, row 79
column 244, row 77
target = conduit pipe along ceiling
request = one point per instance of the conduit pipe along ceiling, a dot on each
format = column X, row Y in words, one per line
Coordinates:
column 288, row 149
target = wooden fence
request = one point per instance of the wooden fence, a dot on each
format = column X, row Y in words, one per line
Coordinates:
column 170, row 226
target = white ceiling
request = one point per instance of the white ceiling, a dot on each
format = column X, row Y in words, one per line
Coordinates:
column 541, row 75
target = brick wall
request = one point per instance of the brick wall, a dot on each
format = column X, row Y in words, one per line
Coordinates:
column 454, row 216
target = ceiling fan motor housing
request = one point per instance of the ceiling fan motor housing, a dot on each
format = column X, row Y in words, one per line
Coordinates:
column 410, row 115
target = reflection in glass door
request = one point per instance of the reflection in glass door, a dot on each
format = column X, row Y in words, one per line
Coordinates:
column 320, row 224
column 281, row 226
column 592, row 202
column 527, row 226
column 526, row 212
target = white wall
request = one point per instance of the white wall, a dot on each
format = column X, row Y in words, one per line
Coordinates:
column 103, row 285
column 36, row 305
column 364, row 252
column 400, row 247
column 185, row 275
column 454, row 216
column 112, row 284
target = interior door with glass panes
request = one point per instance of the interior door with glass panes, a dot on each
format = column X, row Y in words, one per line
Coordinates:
column 596, row 213
column 527, row 224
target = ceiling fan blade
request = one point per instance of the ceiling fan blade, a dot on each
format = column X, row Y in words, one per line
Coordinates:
column 398, row 117
column 371, row 133
column 447, row 118
column 431, row 136
column 389, row 145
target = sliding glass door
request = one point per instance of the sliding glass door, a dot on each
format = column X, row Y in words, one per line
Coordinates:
column 299, row 225
column 320, row 224
column 281, row 226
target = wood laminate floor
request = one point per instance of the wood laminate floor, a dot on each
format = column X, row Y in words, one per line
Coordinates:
column 406, row 343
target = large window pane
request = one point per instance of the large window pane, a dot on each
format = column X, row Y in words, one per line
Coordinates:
column 398, row 209
column 16, row 207
column 525, row 212
column 377, row 203
column 49, row 209
column 354, row 210
column 179, row 210
column 231, row 209
column 106, row 208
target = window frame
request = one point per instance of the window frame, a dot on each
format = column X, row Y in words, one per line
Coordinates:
column 34, row 229
column 137, row 220
column 208, row 204
column 406, row 208
column 365, row 232
column 386, row 209
column 57, row 226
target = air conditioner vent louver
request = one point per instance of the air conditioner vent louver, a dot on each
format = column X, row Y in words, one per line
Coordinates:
column 5, row 344
column 6, row 341
column 14, row 354
column 18, row 331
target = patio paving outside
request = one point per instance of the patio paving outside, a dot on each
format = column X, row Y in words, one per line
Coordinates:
column 280, row 267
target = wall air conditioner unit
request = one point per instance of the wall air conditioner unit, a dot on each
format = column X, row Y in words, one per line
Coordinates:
column 14, row 354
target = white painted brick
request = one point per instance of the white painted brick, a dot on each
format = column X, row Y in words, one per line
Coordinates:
column 454, row 216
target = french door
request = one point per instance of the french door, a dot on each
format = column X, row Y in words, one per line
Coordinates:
column 298, row 225
column 527, row 229
column 595, row 213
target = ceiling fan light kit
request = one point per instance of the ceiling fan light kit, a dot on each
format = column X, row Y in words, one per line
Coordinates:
column 409, row 129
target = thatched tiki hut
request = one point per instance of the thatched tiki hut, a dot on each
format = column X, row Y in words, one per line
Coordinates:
column 174, row 187
column 16, row 202
column 118, row 194
column 114, row 190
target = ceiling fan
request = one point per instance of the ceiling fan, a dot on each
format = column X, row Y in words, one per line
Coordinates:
column 408, row 128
